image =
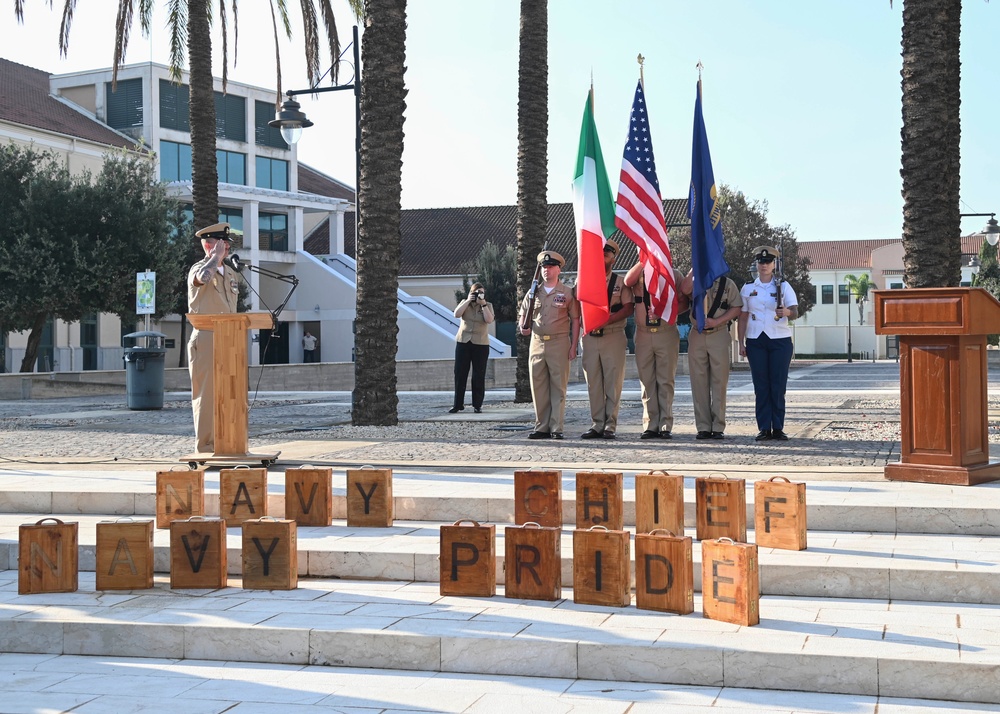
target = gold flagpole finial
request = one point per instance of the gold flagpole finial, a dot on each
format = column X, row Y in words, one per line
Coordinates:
column 640, row 59
column 700, row 67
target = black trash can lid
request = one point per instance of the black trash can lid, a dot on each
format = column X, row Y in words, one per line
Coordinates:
column 149, row 335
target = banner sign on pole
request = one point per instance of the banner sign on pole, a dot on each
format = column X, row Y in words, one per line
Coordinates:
column 145, row 293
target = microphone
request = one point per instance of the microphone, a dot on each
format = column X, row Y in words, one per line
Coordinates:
column 233, row 261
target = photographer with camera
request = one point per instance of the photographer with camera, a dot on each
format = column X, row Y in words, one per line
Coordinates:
column 472, row 347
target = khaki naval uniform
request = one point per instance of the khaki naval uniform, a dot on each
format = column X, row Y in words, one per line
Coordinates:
column 657, row 347
column 548, row 356
column 216, row 297
column 709, row 359
column 604, row 361
column 472, row 349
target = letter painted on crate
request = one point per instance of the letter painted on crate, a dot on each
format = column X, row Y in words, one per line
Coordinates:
column 265, row 554
column 603, row 503
column 170, row 491
column 529, row 565
column 650, row 559
column 202, row 549
column 530, row 501
column 367, row 496
column 710, row 508
column 598, row 580
column 38, row 554
column 716, row 579
column 656, row 505
column 306, row 507
column 123, row 556
column 769, row 513
column 457, row 562
column 248, row 502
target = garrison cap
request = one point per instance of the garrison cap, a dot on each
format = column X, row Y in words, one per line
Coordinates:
column 218, row 231
column 550, row 257
column 765, row 254
column 612, row 246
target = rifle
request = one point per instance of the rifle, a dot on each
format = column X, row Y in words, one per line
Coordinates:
column 779, row 278
column 529, row 312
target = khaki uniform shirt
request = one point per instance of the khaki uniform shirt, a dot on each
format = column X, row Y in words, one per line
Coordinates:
column 216, row 297
column 474, row 327
column 553, row 311
column 640, row 306
column 730, row 298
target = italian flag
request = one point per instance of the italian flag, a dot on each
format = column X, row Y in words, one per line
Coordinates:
column 594, row 211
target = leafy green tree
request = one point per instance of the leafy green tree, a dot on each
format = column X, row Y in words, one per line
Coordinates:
column 532, row 161
column 988, row 277
column 496, row 269
column 859, row 287
column 73, row 244
column 745, row 226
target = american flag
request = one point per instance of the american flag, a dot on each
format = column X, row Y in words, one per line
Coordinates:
column 639, row 212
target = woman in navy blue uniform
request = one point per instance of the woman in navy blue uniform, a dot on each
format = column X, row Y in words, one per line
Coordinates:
column 766, row 341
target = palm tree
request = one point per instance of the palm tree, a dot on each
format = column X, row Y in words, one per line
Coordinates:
column 859, row 287
column 383, row 100
column 931, row 132
column 532, row 160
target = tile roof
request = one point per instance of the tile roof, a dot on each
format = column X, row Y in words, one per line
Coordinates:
column 313, row 181
column 442, row 241
column 857, row 254
column 26, row 99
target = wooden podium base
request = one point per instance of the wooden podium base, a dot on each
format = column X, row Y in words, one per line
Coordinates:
column 199, row 458
column 951, row 475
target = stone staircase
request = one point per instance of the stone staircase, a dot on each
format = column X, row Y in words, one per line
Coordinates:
column 898, row 594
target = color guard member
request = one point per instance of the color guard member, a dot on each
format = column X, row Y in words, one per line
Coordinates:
column 555, row 332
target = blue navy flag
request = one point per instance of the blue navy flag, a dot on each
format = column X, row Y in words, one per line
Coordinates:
column 708, row 261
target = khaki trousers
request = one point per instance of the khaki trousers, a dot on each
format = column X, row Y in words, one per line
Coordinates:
column 548, row 361
column 656, row 361
column 709, row 359
column 604, row 368
column 200, row 367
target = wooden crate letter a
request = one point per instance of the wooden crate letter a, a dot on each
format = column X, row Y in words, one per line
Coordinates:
column 538, row 498
column 369, row 497
column 242, row 494
column 48, row 560
column 469, row 559
column 124, row 555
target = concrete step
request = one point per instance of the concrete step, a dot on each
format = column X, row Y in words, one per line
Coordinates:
column 866, row 506
column 863, row 647
column 918, row 567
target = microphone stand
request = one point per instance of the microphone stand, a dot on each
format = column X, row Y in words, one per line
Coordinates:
column 239, row 266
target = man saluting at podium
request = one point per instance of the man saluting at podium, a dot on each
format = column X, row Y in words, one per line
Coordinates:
column 212, row 290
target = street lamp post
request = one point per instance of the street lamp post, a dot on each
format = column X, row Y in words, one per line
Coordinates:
column 850, row 350
column 291, row 120
column 992, row 229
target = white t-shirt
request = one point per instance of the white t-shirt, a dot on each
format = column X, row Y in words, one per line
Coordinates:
column 759, row 301
column 308, row 342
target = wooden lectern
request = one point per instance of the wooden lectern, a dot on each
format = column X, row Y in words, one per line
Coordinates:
column 942, row 382
column 230, row 386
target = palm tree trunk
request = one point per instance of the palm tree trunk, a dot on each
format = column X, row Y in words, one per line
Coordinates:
column 204, row 173
column 383, row 100
column 532, row 161
column 930, row 142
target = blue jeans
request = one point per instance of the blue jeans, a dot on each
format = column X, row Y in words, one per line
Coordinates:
column 769, row 361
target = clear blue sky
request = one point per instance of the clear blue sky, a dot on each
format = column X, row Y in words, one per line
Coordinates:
column 802, row 99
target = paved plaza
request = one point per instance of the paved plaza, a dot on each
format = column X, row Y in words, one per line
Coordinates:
column 894, row 599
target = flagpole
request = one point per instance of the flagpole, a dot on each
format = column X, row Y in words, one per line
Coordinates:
column 640, row 59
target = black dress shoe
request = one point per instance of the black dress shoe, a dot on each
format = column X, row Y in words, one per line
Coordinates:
column 539, row 435
column 557, row 435
column 455, row 410
column 591, row 434
column 665, row 435
column 478, row 410
column 764, row 435
column 608, row 434
column 703, row 435
column 649, row 434
column 779, row 435
column 718, row 435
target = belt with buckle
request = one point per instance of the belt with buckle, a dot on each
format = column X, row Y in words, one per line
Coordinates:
column 596, row 333
column 654, row 329
column 546, row 338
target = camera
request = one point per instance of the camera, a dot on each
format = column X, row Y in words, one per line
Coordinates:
column 478, row 295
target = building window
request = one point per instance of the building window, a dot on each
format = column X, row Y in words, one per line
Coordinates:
column 266, row 135
column 272, row 173
column 124, row 104
column 174, row 106
column 175, row 161
column 230, row 117
column 232, row 166
column 273, row 231
column 895, row 286
column 843, row 295
column 828, row 295
column 234, row 217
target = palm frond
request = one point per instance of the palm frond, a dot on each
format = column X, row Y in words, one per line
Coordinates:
column 123, row 27
column 64, row 27
column 332, row 38
column 225, row 45
column 177, row 22
column 277, row 53
column 310, row 40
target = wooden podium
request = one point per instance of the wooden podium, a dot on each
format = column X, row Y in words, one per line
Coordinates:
column 231, row 386
column 942, row 382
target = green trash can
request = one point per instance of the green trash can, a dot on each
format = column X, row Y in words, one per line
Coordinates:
column 144, row 371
